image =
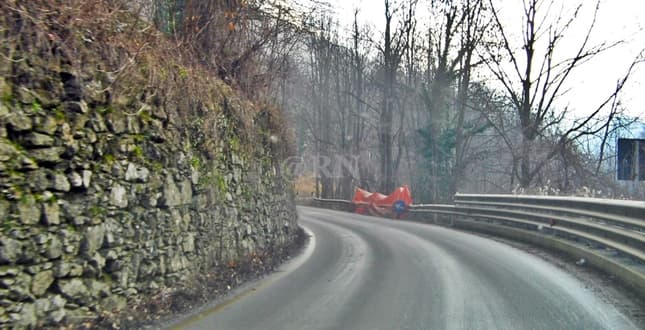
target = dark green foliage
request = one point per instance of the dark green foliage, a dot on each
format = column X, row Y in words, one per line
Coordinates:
column 439, row 153
column 168, row 15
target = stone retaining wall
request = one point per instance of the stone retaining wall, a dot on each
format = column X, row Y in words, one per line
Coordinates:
column 106, row 200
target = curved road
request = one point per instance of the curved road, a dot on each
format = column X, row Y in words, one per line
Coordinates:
column 361, row 272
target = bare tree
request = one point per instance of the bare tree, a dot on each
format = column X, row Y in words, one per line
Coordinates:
column 538, row 74
column 395, row 42
column 459, row 29
column 245, row 42
column 322, row 44
column 358, row 71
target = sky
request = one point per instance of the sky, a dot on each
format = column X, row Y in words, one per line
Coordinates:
column 595, row 80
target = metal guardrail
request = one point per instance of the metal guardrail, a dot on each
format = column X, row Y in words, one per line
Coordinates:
column 598, row 222
column 334, row 204
column 607, row 234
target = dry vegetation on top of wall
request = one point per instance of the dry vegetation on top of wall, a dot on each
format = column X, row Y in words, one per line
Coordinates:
column 137, row 66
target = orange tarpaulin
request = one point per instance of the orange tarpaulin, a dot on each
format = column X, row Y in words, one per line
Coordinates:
column 395, row 203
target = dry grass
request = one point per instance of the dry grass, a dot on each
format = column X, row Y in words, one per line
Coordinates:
column 305, row 186
column 136, row 66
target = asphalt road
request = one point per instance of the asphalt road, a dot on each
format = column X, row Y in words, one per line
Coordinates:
column 362, row 272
